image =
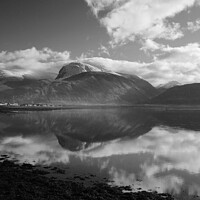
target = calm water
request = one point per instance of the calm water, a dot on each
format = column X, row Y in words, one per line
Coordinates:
column 151, row 151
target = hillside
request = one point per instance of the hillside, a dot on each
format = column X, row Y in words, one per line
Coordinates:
column 163, row 87
column 180, row 95
column 74, row 68
column 91, row 87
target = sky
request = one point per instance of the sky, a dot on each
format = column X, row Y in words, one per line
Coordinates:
column 158, row 40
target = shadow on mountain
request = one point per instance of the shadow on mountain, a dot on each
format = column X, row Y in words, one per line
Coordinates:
column 179, row 95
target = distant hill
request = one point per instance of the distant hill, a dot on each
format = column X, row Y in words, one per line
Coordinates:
column 182, row 95
column 75, row 86
column 163, row 87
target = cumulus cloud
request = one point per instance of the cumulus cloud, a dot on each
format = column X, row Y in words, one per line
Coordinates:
column 181, row 64
column 194, row 26
column 36, row 63
column 164, row 30
column 126, row 19
column 151, row 45
column 87, row 54
column 173, row 63
column 103, row 50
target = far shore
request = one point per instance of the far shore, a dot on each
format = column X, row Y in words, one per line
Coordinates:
column 150, row 107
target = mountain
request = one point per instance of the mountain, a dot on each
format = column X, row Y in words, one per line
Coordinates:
column 2, row 75
column 74, row 68
column 74, row 86
column 5, row 76
column 163, row 87
column 188, row 94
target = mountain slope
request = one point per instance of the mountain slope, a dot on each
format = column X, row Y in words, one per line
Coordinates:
column 74, row 88
column 186, row 95
column 104, row 88
column 74, row 68
column 84, row 88
column 163, row 87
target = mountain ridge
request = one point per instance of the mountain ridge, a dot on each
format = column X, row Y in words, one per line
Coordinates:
column 90, row 87
column 74, row 68
column 163, row 87
column 187, row 94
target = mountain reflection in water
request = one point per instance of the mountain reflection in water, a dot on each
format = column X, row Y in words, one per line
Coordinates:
column 154, row 151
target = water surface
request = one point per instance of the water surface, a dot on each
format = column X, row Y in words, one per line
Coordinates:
column 148, row 151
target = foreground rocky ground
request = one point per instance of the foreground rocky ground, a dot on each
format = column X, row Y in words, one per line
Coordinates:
column 24, row 182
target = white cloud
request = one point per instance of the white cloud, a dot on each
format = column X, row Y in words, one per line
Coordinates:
column 125, row 19
column 98, row 6
column 103, row 50
column 175, row 63
column 181, row 64
column 32, row 62
column 87, row 54
column 194, row 26
column 164, row 30
column 33, row 150
column 117, row 65
column 151, row 45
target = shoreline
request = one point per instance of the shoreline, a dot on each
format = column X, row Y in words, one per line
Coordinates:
column 150, row 107
column 25, row 181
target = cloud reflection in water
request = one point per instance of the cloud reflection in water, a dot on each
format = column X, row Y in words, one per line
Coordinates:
column 133, row 148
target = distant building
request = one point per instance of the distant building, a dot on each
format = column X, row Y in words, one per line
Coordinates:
column 3, row 104
column 14, row 104
column 37, row 105
column 25, row 104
